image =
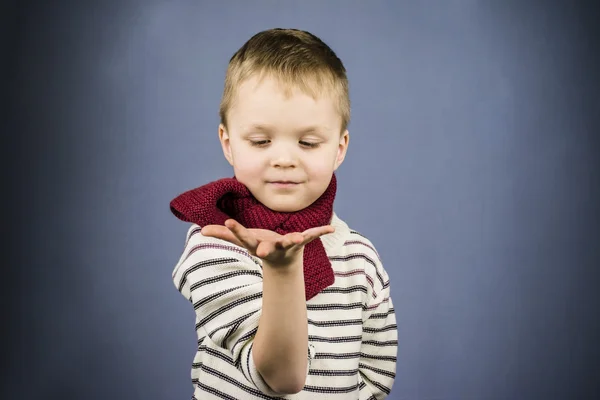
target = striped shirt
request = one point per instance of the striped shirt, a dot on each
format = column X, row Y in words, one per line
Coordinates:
column 353, row 337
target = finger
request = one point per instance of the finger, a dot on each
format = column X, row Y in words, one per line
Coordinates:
column 242, row 234
column 220, row 232
column 319, row 230
column 313, row 233
column 290, row 240
column 264, row 249
column 269, row 247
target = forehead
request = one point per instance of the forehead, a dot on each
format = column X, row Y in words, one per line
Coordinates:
column 268, row 102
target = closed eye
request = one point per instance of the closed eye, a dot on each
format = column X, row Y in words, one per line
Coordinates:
column 308, row 144
column 258, row 143
column 261, row 143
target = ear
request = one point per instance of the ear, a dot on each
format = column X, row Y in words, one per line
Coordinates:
column 225, row 143
column 342, row 149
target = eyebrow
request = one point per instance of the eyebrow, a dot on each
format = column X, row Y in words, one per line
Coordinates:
column 258, row 127
column 268, row 129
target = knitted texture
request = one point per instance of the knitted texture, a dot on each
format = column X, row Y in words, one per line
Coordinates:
column 218, row 201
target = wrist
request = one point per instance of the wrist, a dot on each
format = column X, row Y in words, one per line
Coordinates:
column 285, row 266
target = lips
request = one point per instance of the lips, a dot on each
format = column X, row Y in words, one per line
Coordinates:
column 283, row 184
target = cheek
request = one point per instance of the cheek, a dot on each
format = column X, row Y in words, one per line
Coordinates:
column 320, row 171
column 246, row 164
column 324, row 160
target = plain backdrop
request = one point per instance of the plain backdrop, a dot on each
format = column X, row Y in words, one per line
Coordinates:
column 473, row 167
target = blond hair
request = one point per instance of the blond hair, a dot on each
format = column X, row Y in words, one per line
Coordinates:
column 298, row 59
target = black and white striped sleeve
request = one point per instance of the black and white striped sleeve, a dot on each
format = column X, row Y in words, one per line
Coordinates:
column 377, row 364
column 224, row 284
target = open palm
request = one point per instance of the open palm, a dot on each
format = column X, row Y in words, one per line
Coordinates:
column 265, row 244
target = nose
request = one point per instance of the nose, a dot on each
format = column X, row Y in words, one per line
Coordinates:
column 284, row 158
column 283, row 162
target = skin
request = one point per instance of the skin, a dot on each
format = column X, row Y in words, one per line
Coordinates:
column 282, row 129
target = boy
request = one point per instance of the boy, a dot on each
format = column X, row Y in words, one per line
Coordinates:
column 290, row 302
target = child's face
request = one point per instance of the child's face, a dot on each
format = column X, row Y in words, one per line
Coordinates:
column 287, row 125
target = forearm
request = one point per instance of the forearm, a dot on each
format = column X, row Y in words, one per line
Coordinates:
column 281, row 342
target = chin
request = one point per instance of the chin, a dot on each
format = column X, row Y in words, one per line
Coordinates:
column 284, row 209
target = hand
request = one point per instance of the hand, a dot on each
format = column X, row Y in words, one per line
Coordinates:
column 268, row 245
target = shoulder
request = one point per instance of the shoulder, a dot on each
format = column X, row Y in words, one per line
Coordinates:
column 356, row 243
column 359, row 242
column 359, row 246
column 199, row 247
column 212, row 263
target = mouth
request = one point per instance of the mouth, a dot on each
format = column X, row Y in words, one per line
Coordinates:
column 284, row 183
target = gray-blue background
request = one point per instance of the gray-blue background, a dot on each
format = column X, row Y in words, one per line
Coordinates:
column 472, row 166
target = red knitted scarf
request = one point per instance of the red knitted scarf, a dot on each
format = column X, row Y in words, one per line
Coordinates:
column 215, row 202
